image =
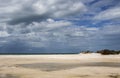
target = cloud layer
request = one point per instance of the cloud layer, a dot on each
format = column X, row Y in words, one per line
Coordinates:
column 40, row 26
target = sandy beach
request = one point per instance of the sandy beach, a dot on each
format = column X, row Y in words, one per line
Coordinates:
column 60, row 66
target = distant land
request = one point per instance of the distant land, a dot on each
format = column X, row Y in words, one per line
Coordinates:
column 103, row 52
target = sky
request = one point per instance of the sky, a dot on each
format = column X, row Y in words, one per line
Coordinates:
column 59, row 26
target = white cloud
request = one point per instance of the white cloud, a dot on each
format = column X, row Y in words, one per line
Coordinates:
column 37, row 31
column 92, row 29
column 48, row 31
column 49, row 24
column 27, row 10
column 112, row 13
column 4, row 34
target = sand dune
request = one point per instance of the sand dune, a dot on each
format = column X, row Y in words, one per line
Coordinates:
column 60, row 66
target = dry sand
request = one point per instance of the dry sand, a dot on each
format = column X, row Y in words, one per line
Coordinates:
column 60, row 66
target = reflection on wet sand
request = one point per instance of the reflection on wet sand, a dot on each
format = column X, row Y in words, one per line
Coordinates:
column 64, row 66
column 8, row 76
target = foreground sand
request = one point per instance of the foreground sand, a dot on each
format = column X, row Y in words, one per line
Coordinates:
column 60, row 66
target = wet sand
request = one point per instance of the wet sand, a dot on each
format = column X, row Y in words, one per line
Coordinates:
column 60, row 66
column 65, row 66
